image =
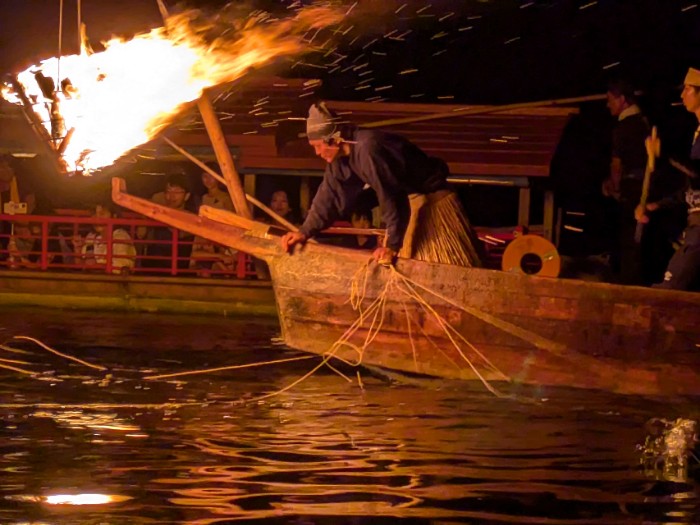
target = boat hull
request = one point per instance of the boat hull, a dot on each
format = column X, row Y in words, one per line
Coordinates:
column 466, row 323
column 532, row 330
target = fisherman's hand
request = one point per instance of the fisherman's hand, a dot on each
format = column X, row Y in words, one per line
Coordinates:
column 289, row 239
column 384, row 256
column 653, row 144
column 640, row 213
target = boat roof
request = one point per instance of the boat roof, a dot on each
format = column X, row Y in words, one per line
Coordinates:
column 263, row 121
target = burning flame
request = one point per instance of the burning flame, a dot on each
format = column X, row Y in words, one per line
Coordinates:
column 112, row 101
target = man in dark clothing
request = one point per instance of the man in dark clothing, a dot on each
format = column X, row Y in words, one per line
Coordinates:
column 176, row 195
column 402, row 176
column 629, row 159
column 683, row 271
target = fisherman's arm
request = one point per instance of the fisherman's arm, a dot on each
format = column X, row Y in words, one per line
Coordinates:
column 323, row 211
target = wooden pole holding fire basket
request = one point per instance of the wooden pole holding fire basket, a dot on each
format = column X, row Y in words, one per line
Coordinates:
column 223, row 156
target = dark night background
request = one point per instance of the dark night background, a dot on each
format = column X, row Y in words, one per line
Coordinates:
column 477, row 51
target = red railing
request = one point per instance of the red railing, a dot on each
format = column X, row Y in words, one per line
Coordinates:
column 53, row 243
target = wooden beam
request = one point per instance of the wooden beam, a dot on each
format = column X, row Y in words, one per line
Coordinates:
column 481, row 110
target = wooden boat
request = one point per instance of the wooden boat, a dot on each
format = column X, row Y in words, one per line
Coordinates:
column 465, row 323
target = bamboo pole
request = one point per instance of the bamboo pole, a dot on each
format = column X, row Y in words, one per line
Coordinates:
column 284, row 222
column 467, row 110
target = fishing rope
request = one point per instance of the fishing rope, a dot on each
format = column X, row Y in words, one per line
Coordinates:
column 448, row 328
column 222, row 368
column 376, row 313
column 16, row 369
column 60, row 354
column 357, row 296
column 410, row 335
column 526, row 335
column 13, row 350
column 15, row 361
column 409, row 290
column 434, row 344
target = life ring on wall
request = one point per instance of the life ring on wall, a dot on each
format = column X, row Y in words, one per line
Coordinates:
column 532, row 255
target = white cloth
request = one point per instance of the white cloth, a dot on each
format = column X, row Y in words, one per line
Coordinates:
column 629, row 112
column 94, row 250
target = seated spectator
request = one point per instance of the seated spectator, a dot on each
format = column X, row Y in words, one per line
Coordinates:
column 25, row 246
column 176, row 194
column 210, row 258
column 206, row 254
column 216, row 196
column 361, row 219
column 279, row 203
column 159, row 254
column 92, row 250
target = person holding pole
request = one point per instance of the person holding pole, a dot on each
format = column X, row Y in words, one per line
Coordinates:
column 683, row 271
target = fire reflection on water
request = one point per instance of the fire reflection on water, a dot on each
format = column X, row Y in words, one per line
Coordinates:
column 324, row 452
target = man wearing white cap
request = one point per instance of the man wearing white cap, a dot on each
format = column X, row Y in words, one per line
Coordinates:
column 423, row 218
column 683, row 272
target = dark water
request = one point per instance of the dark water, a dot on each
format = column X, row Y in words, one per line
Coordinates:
column 189, row 450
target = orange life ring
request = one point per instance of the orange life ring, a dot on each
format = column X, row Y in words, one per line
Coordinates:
column 533, row 255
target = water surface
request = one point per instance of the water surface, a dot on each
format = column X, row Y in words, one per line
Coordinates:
column 205, row 449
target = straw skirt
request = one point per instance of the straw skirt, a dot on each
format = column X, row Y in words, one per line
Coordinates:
column 439, row 231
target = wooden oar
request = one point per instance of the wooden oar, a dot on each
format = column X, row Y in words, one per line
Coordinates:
column 653, row 146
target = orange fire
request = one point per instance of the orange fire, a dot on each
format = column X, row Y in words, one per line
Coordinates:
column 123, row 96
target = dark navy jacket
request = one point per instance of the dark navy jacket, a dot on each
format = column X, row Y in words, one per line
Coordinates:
column 389, row 164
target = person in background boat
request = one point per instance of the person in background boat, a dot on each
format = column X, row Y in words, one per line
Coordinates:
column 24, row 248
column 683, row 271
column 207, row 255
column 16, row 197
column 279, row 203
column 423, row 218
column 92, row 249
column 216, row 196
column 361, row 218
column 627, row 167
column 177, row 196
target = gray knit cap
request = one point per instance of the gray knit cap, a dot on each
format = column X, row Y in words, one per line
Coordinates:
column 321, row 123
